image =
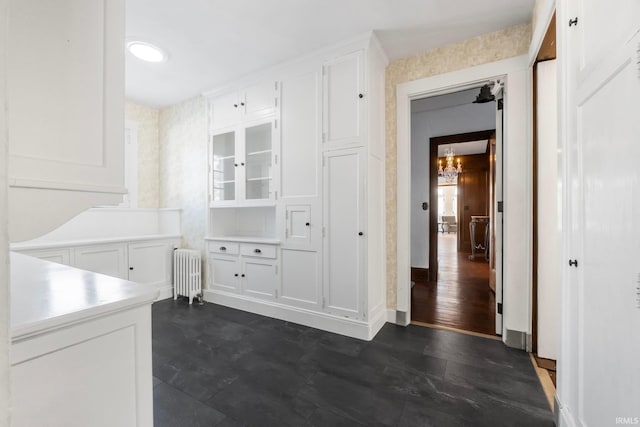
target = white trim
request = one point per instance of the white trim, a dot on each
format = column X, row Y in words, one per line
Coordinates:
column 64, row 186
column 405, row 92
column 542, row 24
column 565, row 417
column 391, row 316
column 166, row 292
column 326, row 322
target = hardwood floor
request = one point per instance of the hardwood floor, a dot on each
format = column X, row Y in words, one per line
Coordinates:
column 215, row 366
column 461, row 298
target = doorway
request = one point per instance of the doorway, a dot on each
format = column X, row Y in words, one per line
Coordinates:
column 457, row 291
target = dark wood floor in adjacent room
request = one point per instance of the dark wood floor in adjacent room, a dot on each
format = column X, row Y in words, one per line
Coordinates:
column 461, row 298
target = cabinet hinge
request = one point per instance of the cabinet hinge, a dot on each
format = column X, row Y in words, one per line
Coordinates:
column 276, row 124
column 323, row 232
column 573, row 22
column 324, row 137
column 276, row 273
column 500, row 206
column 276, row 293
column 275, row 102
column 499, row 308
column 275, row 85
column 276, row 195
column 323, row 162
column 275, row 159
column 322, row 302
column 286, row 234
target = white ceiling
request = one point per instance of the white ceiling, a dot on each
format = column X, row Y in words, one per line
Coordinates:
column 213, row 42
column 464, row 148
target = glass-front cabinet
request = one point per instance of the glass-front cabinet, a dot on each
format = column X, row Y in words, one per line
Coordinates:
column 241, row 165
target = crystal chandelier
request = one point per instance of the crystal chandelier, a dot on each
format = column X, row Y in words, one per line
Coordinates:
column 449, row 172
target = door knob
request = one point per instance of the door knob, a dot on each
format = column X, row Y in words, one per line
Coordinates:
column 130, row 268
column 307, row 224
column 361, row 234
column 360, row 96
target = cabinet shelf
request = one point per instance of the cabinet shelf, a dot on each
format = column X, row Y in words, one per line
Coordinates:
column 263, row 178
column 223, row 157
column 255, row 153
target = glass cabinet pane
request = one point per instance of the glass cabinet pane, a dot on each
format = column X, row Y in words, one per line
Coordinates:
column 223, row 167
column 258, row 161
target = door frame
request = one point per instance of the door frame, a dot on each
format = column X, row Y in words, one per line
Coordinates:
column 434, row 143
column 518, row 69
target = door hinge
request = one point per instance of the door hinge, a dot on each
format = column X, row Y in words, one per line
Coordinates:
column 276, row 124
column 276, row 272
column 573, row 22
column 275, row 102
column 500, row 104
column 499, row 308
column 276, row 195
column 323, row 161
column 324, row 136
column 500, row 206
column 275, row 159
column 286, row 215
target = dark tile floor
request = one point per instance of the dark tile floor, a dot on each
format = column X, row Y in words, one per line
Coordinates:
column 215, row 366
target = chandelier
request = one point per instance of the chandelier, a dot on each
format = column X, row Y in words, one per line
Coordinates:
column 449, row 172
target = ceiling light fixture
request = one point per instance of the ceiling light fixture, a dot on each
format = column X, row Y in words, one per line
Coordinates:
column 450, row 172
column 146, row 51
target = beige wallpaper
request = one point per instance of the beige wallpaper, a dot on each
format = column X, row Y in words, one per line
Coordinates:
column 483, row 49
column 148, row 153
column 183, row 166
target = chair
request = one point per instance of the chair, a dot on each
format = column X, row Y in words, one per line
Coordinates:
column 450, row 223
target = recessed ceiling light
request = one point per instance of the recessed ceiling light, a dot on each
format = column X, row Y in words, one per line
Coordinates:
column 146, row 51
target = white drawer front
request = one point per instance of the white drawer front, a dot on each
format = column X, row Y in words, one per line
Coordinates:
column 220, row 247
column 258, row 250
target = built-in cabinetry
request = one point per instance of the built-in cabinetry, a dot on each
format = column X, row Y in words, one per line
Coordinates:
column 65, row 119
column 323, row 211
column 147, row 261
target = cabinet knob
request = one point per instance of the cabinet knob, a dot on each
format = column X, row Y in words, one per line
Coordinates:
column 236, row 274
column 242, row 275
column 360, row 95
column 573, row 263
column 235, row 164
column 222, row 248
column 241, row 164
column 258, row 251
column 307, row 224
column 235, row 105
column 361, row 234
column 242, row 103
column 130, row 268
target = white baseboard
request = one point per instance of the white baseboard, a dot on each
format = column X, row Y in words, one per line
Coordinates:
column 326, row 322
column 391, row 315
column 165, row 292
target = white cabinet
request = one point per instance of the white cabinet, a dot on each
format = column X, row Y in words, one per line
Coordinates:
column 65, row 119
column 328, row 178
column 344, row 207
column 344, row 100
column 105, row 259
column 245, row 268
column 150, row 262
column 241, row 165
column 249, row 103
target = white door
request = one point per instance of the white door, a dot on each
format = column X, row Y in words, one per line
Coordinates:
column 259, row 278
column 105, row 259
column 225, row 273
column 599, row 378
column 498, row 209
column 224, row 164
column 344, row 100
column 344, row 232
column 150, row 263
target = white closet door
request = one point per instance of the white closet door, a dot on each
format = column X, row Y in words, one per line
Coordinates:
column 300, row 278
column 344, row 100
column 599, row 379
column 344, row 232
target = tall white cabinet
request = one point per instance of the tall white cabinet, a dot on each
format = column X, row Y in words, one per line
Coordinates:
column 322, row 215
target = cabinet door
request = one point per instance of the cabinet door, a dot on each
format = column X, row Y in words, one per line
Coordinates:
column 298, row 225
column 258, row 160
column 258, row 100
column 344, row 100
column 259, row 278
column 225, row 111
column 300, row 278
column 59, row 256
column 150, row 263
column 224, row 168
column 105, row 259
column 343, row 242
column 225, row 273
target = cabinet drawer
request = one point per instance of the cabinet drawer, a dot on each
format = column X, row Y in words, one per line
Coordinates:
column 220, row 247
column 258, row 250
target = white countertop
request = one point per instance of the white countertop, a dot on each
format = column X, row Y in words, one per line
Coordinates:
column 43, row 244
column 245, row 239
column 46, row 296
